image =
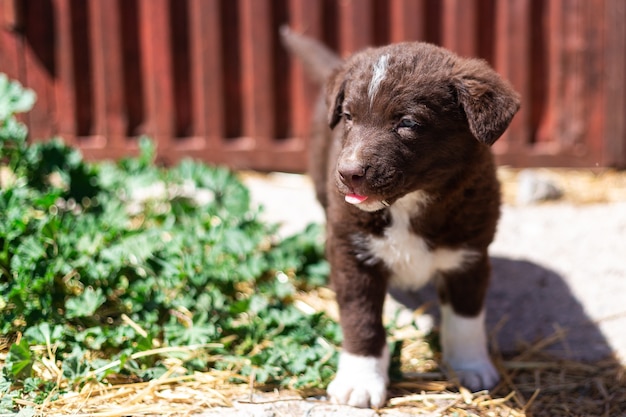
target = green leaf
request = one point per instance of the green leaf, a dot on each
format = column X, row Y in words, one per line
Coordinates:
column 74, row 366
column 43, row 334
column 14, row 98
column 147, row 151
column 86, row 304
column 27, row 411
column 20, row 360
column 5, row 385
column 92, row 338
column 7, row 405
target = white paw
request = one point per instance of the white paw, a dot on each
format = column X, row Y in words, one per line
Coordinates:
column 464, row 346
column 361, row 381
column 476, row 376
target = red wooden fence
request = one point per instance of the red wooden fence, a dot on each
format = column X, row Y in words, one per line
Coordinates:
column 209, row 79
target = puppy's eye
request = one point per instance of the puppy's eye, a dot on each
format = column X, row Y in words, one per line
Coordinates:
column 347, row 116
column 408, row 123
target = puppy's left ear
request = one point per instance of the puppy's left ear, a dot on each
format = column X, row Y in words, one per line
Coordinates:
column 335, row 89
column 489, row 101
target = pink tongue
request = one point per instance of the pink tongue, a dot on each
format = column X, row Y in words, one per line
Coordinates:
column 355, row 198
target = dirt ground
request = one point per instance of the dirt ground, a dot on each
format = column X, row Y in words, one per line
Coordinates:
column 559, row 284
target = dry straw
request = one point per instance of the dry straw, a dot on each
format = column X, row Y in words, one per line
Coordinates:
column 533, row 384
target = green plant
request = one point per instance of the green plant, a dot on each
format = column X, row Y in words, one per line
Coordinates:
column 13, row 99
column 102, row 266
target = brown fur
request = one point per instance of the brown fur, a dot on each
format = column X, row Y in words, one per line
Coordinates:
column 461, row 106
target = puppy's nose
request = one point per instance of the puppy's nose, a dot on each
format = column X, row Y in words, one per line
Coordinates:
column 351, row 173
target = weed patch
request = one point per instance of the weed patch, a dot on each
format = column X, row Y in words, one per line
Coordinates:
column 127, row 271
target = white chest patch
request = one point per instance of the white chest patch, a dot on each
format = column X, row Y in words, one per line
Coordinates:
column 408, row 256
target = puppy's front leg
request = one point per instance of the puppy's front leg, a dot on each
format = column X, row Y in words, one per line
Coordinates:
column 463, row 335
column 362, row 376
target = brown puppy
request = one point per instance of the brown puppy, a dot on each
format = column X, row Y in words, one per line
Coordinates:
column 402, row 165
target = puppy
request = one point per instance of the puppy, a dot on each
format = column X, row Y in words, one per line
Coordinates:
column 402, row 165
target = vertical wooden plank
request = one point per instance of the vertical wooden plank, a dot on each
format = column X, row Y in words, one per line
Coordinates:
column 206, row 71
column 156, row 62
column 9, row 17
column 547, row 129
column 257, row 77
column 306, row 17
column 593, row 71
column 10, row 50
column 615, row 60
column 65, row 83
column 108, row 82
column 578, row 127
column 572, row 120
column 10, row 55
column 12, row 46
column 355, row 25
column 460, row 27
column 407, row 20
column 512, row 61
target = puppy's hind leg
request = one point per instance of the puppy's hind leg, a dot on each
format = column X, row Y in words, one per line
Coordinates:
column 463, row 336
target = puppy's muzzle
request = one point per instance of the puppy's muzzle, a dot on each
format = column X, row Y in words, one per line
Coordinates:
column 353, row 176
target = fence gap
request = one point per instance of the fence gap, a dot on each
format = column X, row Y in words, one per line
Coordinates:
column 381, row 23
column 133, row 69
column 82, row 71
column 282, row 75
column 231, row 41
column 539, row 67
column 433, row 25
column 485, row 29
column 40, row 70
column 330, row 31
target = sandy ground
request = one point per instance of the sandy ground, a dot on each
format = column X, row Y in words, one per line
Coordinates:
column 557, row 267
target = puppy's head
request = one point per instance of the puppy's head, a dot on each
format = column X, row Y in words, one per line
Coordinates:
column 412, row 116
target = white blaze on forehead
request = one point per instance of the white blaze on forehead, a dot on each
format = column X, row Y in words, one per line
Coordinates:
column 378, row 74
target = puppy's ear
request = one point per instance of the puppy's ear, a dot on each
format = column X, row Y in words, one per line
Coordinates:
column 335, row 89
column 489, row 101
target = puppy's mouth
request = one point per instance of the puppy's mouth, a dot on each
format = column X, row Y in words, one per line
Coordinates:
column 367, row 188
column 356, row 199
column 366, row 200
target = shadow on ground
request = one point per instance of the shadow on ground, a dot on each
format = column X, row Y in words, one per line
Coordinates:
column 532, row 303
column 526, row 304
column 535, row 319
